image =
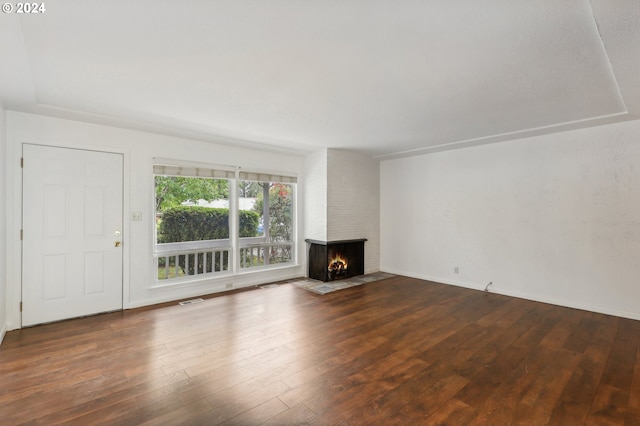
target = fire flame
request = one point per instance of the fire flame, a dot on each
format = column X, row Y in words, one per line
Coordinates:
column 337, row 263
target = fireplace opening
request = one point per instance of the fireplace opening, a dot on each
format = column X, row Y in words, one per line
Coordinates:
column 335, row 260
column 338, row 267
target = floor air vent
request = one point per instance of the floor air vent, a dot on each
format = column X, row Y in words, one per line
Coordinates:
column 191, row 302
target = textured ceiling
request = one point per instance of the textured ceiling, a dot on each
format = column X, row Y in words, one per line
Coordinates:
column 387, row 78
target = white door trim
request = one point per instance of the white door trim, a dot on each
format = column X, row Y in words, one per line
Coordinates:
column 72, row 214
column 14, row 219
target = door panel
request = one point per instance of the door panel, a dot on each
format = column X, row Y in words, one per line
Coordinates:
column 72, row 216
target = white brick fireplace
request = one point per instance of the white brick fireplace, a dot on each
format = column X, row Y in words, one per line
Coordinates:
column 342, row 200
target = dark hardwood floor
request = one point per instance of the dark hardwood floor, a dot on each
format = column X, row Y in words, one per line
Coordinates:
column 394, row 352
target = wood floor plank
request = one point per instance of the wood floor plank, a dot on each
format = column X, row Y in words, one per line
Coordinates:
column 367, row 354
column 185, row 411
column 235, row 402
column 395, row 352
column 260, row 414
column 140, row 402
column 614, row 391
column 345, row 399
column 453, row 412
column 299, row 414
column 608, row 406
column 575, row 401
column 634, row 394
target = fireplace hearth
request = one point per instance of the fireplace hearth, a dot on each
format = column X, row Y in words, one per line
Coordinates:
column 335, row 260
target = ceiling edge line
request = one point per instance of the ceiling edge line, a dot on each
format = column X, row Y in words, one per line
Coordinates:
column 146, row 127
column 502, row 137
column 31, row 78
column 606, row 54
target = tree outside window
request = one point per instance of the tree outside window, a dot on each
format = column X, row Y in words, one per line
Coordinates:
column 274, row 205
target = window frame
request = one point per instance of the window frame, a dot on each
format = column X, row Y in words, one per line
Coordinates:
column 233, row 245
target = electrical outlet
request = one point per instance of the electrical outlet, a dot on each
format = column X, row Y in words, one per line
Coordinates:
column 136, row 216
column 456, row 270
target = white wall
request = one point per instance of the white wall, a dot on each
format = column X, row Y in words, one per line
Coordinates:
column 554, row 218
column 139, row 149
column 353, row 200
column 315, row 189
column 3, row 223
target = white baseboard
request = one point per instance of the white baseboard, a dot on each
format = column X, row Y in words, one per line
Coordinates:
column 520, row 295
column 187, row 290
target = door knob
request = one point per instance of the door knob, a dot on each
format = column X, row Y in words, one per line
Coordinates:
column 117, row 244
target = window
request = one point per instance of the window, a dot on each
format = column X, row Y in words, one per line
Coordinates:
column 272, row 199
column 194, row 217
column 192, row 221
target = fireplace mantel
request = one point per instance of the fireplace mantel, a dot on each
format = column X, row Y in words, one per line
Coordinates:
column 326, row 243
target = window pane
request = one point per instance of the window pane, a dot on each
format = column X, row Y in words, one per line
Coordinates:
column 191, row 209
column 251, row 217
column 272, row 205
column 274, row 215
column 280, row 212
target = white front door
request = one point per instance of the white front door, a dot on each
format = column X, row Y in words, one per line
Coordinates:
column 72, row 216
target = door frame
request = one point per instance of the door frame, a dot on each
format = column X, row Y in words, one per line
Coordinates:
column 14, row 220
